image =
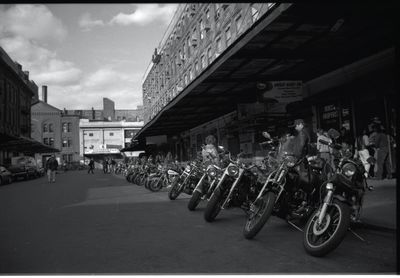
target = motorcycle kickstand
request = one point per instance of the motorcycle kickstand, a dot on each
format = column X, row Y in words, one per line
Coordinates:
column 294, row 225
column 357, row 235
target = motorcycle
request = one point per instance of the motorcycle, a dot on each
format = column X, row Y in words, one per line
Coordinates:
column 234, row 189
column 163, row 178
column 187, row 180
column 208, row 181
column 342, row 202
column 290, row 190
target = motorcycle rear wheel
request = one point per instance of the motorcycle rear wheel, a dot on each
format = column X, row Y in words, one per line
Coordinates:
column 194, row 200
column 214, row 205
column 319, row 240
column 262, row 211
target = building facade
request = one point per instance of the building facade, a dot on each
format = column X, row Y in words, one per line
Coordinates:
column 198, row 34
column 102, row 138
column 16, row 93
column 291, row 61
column 55, row 129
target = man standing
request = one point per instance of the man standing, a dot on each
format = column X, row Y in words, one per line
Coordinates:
column 51, row 166
column 382, row 149
column 91, row 166
column 302, row 139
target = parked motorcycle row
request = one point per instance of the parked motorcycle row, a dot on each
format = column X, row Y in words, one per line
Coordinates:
column 303, row 190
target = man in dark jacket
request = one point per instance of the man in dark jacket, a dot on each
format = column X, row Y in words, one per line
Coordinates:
column 91, row 166
column 51, row 166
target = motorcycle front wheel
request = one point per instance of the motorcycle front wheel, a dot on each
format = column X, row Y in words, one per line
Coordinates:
column 260, row 211
column 320, row 239
column 155, row 184
column 194, row 200
column 174, row 190
column 214, row 205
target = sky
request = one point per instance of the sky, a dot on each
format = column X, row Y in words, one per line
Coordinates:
column 84, row 52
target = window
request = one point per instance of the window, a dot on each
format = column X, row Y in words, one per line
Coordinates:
column 191, row 74
column 111, row 133
column 46, row 141
column 64, row 127
column 203, row 62
column 239, row 21
column 69, row 127
column 65, row 158
column 228, row 35
column 91, row 134
column 201, row 23
column 45, row 128
column 209, row 55
column 64, row 142
column 196, row 67
column 219, row 45
column 254, row 12
column 70, row 157
column 51, row 142
column 69, row 142
column 51, row 128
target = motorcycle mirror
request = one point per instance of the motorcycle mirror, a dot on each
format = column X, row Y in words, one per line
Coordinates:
column 266, row 134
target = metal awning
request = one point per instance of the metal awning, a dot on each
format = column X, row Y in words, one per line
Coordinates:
column 26, row 146
column 299, row 41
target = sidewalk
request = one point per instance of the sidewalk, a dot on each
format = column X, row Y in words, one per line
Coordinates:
column 379, row 208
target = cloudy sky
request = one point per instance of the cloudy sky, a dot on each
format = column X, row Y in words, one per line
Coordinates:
column 84, row 52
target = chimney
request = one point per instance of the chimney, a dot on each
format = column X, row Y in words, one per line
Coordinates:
column 44, row 93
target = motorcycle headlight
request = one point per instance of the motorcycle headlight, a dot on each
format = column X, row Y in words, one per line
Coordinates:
column 187, row 169
column 329, row 186
column 233, row 170
column 212, row 172
column 349, row 170
column 290, row 161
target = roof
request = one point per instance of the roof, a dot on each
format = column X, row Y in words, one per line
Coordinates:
column 26, row 145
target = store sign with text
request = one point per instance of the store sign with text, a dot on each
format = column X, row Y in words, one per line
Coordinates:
column 284, row 91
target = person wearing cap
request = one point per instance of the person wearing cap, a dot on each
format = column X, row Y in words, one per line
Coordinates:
column 302, row 137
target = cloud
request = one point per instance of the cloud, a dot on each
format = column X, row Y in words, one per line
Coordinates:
column 146, row 14
column 25, row 31
column 87, row 23
column 35, row 22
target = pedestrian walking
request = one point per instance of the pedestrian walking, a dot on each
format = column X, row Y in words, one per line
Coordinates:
column 382, row 146
column 362, row 152
column 113, row 163
column 105, row 166
column 51, row 167
column 91, row 166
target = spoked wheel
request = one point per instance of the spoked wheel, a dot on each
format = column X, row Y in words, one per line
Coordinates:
column 322, row 238
column 155, row 184
column 260, row 211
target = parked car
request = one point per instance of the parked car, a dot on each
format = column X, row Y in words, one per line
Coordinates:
column 5, row 175
column 21, row 171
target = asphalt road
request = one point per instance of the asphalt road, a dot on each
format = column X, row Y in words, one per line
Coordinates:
column 100, row 223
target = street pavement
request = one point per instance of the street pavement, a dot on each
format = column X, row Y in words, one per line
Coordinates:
column 101, row 224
